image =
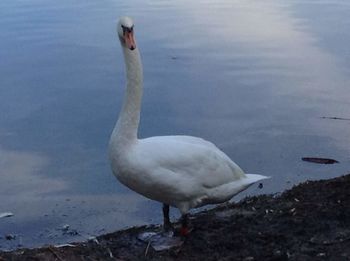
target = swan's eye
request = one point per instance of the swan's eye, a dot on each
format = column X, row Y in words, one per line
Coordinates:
column 127, row 29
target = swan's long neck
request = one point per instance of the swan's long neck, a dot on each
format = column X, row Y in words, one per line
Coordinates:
column 125, row 131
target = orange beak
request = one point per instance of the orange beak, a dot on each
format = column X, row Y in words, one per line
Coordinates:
column 130, row 40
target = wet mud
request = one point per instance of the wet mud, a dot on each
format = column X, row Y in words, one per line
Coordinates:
column 309, row 222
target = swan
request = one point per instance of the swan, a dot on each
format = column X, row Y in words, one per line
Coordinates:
column 180, row 171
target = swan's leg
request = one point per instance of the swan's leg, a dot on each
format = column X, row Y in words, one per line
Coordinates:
column 184, row 225
column 166, row 220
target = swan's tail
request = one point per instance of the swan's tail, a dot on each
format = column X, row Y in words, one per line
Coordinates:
column 227, row 191
column 252, row 178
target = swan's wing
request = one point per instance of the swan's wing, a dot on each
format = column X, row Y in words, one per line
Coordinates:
column 188, row 159
column 184, row 139
column 181, row 171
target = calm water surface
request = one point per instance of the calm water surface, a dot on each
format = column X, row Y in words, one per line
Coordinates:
column 253, row 77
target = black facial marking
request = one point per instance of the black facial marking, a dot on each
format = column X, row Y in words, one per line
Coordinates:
column 127, row 29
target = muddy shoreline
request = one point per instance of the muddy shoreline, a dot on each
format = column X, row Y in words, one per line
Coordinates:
column 309, row 222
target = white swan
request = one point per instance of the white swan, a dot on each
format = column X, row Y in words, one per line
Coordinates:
column 181, row 171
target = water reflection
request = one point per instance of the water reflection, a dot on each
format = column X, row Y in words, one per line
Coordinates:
column 19, row 174
column 253, row 77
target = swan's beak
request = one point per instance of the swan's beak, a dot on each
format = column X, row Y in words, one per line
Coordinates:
column 130, row 40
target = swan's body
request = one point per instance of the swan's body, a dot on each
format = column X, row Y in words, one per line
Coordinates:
column 181, row 171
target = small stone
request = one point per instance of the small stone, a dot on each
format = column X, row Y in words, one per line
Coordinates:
column 93, row 239
column 278, row 252
column 65, row 227
column 10, row 237
column 6, row 214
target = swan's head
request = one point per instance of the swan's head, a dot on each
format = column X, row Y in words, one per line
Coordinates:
column 125, row 29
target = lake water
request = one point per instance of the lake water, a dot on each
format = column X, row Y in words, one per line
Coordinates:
column 254, row 77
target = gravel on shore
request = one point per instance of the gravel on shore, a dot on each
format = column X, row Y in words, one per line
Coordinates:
column 309, row 222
